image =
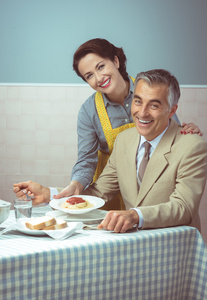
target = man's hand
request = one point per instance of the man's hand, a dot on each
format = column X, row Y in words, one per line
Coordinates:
column 74, row 188
column 40, row 193
column 119, row 220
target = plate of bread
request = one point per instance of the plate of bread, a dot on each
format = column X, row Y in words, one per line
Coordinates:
column 38, row 226
column 79, row 204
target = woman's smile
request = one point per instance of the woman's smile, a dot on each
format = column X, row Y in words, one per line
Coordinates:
column 106, row 83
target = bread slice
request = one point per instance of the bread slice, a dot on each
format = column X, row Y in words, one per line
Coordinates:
column 60, row 224
column 40, row 222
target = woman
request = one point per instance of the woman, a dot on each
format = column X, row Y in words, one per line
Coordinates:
column 104, row 114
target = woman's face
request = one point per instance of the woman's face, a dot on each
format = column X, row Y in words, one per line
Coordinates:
column 100, row 73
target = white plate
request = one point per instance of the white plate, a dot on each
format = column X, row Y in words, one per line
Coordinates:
column 97, row 203
column 92, row 216
column 22, row 228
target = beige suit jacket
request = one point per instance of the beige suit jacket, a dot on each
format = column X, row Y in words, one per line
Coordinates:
column 173, row 182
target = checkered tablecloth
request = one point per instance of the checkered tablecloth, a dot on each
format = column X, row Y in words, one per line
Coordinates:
column 150, row 264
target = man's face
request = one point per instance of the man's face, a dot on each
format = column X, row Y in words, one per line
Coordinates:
column 150, row 109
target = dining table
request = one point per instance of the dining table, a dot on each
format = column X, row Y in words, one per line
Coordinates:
column 154, row 264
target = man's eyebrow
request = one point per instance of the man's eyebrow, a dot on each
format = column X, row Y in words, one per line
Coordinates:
column 137, row 97
column 155, row 100
column 152, row 100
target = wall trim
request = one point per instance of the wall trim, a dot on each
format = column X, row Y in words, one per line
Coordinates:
column 45, row 84
column 197, row 86
column 202, row 86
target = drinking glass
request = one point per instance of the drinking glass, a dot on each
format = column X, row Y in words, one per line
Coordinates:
column 23, row 208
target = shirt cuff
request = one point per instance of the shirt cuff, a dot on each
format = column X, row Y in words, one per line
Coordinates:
column 53, row 192
column 141, row 218
column 82, row 180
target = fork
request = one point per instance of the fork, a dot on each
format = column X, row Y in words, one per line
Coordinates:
column 27, row 197
column 90, row 227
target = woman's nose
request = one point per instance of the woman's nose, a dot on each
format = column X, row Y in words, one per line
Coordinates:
column 99, row 77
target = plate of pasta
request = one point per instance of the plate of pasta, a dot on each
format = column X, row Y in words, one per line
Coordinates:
column 79, row 204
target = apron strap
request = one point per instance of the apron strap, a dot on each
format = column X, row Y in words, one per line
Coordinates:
column 109, row 133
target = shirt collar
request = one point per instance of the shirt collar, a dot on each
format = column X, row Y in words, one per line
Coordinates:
column 154, row 142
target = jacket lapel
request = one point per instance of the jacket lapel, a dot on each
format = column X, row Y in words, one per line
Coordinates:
column 131, row 156
column 158, row 161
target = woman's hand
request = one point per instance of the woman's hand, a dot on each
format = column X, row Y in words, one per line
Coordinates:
column 74, row 188
column 190, row 128
column 39, row 193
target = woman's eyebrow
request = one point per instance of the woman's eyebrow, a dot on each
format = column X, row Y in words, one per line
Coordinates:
column 89, row 72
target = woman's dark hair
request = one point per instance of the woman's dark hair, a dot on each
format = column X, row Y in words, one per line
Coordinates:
column 104, row 49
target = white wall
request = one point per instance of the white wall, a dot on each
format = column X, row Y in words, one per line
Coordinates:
column 38, row 133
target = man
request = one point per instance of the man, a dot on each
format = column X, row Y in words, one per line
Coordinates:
column 169, row 192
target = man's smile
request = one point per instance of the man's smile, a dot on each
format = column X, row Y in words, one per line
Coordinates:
column 144, row 122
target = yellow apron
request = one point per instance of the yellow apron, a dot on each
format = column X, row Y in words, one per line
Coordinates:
column 110, row 135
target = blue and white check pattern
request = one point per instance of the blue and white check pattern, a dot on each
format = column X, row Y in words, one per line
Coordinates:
column 153, row 264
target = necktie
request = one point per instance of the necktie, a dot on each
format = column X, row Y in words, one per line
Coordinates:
column 144, row 162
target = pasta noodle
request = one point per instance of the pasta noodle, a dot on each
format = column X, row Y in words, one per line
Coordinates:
column 76, row 203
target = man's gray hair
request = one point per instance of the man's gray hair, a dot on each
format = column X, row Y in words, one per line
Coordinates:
column 160, row 76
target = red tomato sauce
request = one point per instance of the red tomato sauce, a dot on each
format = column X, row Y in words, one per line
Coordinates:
column 75, row 200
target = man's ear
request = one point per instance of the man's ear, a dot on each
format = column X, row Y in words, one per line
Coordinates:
column 173, row 110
